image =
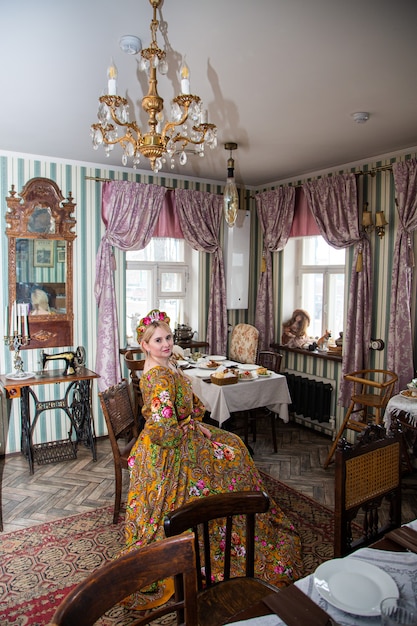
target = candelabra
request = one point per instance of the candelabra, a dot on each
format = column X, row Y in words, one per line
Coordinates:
column 16, row 341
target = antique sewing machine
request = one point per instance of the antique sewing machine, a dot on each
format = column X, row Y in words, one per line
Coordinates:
column 72, row 360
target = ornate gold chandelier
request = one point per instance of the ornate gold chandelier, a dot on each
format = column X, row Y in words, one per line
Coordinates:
column 160, row 140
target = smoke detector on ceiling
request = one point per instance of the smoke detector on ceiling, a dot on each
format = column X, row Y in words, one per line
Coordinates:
column 130, row 44
column 360, row 117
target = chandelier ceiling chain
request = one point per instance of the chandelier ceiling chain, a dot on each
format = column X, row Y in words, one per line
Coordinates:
column 160, row 139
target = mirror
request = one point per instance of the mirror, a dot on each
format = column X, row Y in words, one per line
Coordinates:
column 40, row 231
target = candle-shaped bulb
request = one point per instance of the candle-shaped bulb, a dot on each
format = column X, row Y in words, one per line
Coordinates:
column 185, row 78
column 112, row 79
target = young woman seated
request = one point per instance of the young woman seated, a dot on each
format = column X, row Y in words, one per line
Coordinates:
column 177, row 458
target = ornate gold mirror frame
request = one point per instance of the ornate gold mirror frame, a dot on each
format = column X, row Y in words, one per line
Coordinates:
column 40, row 231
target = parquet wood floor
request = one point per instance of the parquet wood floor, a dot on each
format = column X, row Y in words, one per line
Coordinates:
column 61, row 489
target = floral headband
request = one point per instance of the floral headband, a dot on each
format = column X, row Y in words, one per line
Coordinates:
column 153, row 316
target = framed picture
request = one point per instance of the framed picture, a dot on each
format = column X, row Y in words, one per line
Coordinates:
column 60, row 254
column 43, row 253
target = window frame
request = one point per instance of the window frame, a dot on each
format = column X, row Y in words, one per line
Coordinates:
column 326, row 271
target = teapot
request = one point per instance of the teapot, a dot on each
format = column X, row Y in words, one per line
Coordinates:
column 183, row 333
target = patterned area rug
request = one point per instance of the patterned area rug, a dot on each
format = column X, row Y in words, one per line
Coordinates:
column 40, row 565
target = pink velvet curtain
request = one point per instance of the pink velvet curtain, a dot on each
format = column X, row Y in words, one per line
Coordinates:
column 333, row 202
column 130, row 212
column 400, row 340
column 200, row 215
column 275, row 212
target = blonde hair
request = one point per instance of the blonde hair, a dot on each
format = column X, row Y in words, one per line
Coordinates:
column 39, row 299
column 151, row 328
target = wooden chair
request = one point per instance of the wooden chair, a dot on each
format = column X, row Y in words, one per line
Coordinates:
column 244, row 343
column 272, row 361
column 108, row 585
column 219, row 601
column 121, row 424
column 371, row 391
column 134, row 366
column 367, row 475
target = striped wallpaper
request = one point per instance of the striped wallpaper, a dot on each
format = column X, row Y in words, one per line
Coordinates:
column 74, row 177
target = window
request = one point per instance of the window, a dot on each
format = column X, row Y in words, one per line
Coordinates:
column 314, row 280
column 157, row 277
column 320, row 284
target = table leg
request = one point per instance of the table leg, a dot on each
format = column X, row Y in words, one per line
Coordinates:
column 79, row 411
column 26, row 436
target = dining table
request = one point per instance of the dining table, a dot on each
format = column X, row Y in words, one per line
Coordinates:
column 223, row 400
column 393, row 560
column 403, row 408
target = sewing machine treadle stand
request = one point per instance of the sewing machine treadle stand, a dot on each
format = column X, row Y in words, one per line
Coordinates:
column 76, row 403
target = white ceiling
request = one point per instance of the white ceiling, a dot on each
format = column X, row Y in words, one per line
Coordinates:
column 279, row 77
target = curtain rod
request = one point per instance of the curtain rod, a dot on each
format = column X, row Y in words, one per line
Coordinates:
column 371, row 172
column 115, row 180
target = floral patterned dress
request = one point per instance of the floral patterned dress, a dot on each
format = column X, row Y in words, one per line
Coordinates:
column 169, row 467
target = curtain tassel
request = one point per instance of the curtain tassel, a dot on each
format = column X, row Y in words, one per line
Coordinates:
column 263, row 263
column 359, row 261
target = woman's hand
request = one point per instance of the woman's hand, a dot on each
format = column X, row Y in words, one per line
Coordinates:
column 192, row 425
column 204, row 430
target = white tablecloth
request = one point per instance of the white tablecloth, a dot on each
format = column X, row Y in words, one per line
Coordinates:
column 401, row 566
column 221, row 401
column 399, row 403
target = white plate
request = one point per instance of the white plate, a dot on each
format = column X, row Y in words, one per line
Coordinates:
column 265, row 375
column 204, row 366
column 407, row 394
column 254, row 376
column 216, row 357
column 354, row 586
column 181, row 362
column 247, row 366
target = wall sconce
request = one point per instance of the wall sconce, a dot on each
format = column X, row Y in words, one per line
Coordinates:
column 368, row 225
column 380, row 223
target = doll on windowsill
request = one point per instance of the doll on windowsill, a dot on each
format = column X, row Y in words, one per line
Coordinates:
column 294, row 331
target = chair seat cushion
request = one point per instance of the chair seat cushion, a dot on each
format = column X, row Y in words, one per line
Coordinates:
column 225, row 599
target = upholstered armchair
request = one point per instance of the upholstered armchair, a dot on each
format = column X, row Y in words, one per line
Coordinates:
column 244, row 343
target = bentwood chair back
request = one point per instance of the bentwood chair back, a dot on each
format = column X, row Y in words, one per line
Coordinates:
column 135, row 367
column 110, row 584
column 121, row 425
column 372, row 390
column 367, row 477
column 244, row 343
column 218, row 601
column 272, row 361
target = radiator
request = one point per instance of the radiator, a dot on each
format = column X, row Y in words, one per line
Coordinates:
column 312, row 397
